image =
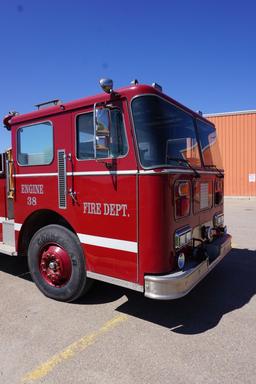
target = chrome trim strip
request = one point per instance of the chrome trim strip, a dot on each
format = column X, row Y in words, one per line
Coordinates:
column 124, row 172
column 174, row 170
column 35, row 174
column 88, row 173
column 103, row 173
column 115, row 281
column 164, row 171
column 106, row 242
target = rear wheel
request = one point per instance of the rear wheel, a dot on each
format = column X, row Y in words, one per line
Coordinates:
column 57, row 265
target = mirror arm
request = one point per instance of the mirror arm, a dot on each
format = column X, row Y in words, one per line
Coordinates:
column 94, row 127
column 108, row 162
column 101, row 131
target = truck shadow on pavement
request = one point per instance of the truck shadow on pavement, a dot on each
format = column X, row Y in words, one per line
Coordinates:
column 16, row 266
column 228, row 287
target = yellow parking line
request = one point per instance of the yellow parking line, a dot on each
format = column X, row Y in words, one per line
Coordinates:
column 78, row 346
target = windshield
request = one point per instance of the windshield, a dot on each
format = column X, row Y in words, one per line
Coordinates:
column 209, row 144
column 164, row 133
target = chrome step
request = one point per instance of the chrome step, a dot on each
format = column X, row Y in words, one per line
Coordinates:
column 7, row 249
column 8, row 232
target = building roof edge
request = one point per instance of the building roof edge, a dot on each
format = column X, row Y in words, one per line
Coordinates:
column 246, row 112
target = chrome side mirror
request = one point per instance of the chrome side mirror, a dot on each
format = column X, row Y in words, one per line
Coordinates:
column 102, row 121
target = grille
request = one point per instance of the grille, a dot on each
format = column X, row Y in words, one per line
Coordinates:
column 204, row 203
column 62, row 181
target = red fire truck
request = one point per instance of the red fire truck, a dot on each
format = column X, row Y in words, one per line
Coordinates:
column 124, row 187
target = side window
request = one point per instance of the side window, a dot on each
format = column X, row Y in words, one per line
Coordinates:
column 35, row 144
column 118, row 143
column 85, row 136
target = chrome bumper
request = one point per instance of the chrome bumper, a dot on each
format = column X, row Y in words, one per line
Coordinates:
column 178, row 284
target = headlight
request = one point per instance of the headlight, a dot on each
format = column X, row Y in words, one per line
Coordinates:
column 181, row 260
column 183, row 236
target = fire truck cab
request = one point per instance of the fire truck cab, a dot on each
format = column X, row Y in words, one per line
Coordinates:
column 124, row 187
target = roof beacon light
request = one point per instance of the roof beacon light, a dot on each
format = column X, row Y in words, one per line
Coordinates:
column 158, row 87
column 106, row 85
column 134, row 82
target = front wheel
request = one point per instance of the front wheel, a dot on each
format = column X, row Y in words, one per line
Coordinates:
column 56, row 263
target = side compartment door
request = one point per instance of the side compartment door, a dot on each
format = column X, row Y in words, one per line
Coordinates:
column 106, row 193
column 9, row 183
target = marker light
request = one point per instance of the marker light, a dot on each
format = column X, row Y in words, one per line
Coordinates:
column 183, row 189
column 157, row 86
column 182, row 196
column 106, row 85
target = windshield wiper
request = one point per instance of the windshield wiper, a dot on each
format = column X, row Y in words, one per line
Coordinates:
column 184, row 161
column 220, row 174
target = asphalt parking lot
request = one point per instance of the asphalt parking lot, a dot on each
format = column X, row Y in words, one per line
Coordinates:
column 114, row 335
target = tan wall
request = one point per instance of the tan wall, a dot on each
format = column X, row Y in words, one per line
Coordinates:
column 237, row 140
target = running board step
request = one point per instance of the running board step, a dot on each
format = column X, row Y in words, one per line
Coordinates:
column 8, row 233
column 7, row 249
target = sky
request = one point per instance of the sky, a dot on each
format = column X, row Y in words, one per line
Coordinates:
column 202, row 52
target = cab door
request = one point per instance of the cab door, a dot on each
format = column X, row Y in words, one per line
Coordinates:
column 105, row 189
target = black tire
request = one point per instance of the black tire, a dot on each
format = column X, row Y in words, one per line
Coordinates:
column 44, row 263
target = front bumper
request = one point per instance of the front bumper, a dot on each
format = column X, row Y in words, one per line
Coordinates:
column 178, row 284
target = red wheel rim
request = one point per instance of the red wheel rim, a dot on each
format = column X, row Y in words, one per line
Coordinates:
column 55, row 265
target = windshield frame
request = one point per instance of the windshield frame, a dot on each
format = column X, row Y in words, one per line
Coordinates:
column 208, row 166
column 181, row 167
